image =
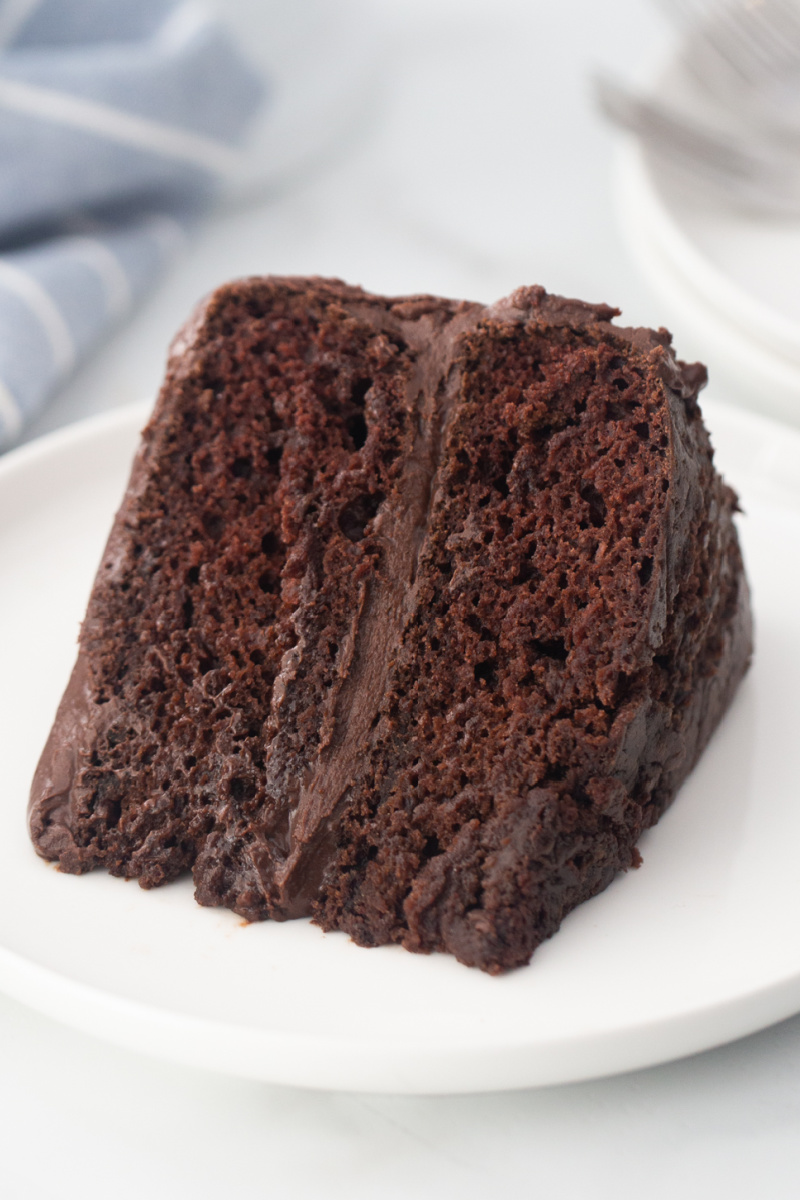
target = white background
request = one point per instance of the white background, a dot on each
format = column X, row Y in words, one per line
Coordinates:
column 461, row 156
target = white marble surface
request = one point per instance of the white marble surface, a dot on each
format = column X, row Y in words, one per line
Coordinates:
column 476, row 164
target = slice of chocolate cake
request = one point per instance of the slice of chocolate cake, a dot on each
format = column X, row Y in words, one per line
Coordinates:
column 415, row 614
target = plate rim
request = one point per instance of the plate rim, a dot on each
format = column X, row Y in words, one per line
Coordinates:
column 402, row 1067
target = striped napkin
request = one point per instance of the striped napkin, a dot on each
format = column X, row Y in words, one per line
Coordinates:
column 118, row 121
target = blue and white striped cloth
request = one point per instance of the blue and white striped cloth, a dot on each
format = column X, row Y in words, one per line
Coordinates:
column 118, row 120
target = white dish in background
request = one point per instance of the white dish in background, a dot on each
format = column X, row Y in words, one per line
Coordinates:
column 696, row 948
column 728, row 279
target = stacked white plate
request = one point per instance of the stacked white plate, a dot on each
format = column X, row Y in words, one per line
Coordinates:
column 727, row 282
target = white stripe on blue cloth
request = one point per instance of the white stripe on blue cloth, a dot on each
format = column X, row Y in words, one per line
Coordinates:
column 40, row 303
column 123, row 128
column 108, row 268
column 10, row 417
column 13, row 14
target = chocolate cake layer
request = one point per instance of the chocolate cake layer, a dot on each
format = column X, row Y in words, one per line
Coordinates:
column 415, row 614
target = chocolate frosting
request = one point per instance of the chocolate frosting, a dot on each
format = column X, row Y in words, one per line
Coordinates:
column 386, row 602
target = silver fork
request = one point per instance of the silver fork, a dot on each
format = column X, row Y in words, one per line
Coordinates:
column 737, row 171
column 746, row 55
column 755, row 39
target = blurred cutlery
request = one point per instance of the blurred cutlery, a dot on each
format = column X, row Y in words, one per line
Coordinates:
column 741, row 171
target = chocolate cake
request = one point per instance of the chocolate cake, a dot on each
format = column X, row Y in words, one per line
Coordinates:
column 415, row 615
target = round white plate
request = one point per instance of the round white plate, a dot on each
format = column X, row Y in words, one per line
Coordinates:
column 727, row 278
column 752, row 347
column 697, row 947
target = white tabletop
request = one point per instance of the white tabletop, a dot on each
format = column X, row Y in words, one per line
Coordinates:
column 476, row 164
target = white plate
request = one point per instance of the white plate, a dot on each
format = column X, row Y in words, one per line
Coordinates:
column 726, row 278
column 715, row 310
column 744, row 263
column 697, row 947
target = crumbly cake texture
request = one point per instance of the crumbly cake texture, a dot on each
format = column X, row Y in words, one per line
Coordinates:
column 415, row 615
